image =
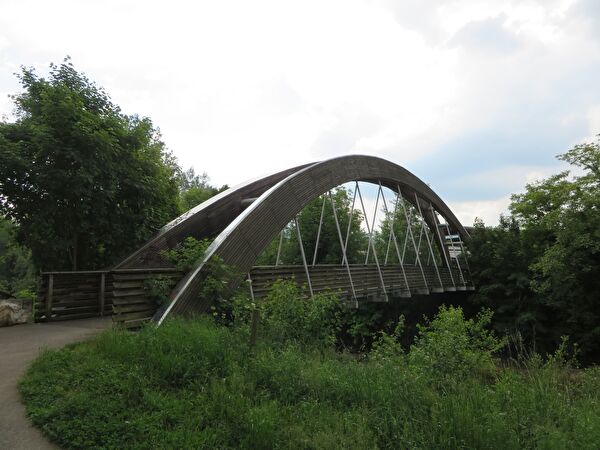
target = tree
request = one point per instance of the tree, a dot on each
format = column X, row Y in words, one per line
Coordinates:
column 85, row 183
column 500, row 257
column 562, row 216
column 195, row 189
column 539, row 268
column 16, row 268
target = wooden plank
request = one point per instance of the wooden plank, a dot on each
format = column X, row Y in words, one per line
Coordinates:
column 73, row 304
column 74, row 309
column 74, row 296
column 117, row 301
column 129, row 292
column 134, row 308
column 143, row 276
column 127, row 284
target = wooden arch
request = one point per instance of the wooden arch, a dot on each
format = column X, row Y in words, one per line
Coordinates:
column 245, row 219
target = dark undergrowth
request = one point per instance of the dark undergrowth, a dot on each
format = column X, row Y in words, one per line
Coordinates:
column 196, row 384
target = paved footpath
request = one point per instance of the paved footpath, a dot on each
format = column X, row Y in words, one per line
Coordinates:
column 19, row 345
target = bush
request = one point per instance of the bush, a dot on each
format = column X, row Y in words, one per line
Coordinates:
column 450, row 348
column 287, row 316
column 26, row 294
column 158, row 288
column 215, row 286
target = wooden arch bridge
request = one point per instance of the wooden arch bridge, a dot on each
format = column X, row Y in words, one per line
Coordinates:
column 243, row 221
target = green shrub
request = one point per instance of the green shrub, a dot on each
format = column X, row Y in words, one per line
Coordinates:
column 451, row 348
column 158, row 288
column 287, row 316
column 26, row 294
column 214, row 288
column 190, row 252
column 387, row 346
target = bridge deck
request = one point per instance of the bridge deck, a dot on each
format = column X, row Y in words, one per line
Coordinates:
column 365, row 280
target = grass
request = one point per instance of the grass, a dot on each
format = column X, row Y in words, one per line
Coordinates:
column 196, row 384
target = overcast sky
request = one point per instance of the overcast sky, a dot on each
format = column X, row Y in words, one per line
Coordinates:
column 476, row 97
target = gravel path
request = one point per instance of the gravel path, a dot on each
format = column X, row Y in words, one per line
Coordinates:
column 19, row 345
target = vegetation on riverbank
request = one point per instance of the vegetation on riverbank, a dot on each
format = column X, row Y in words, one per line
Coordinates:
column 198, row 384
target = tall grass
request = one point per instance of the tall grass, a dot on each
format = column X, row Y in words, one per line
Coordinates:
column 195, row 384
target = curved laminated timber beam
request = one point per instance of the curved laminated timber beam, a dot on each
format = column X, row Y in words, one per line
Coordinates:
column 245, row 219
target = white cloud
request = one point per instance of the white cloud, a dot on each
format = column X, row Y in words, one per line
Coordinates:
column 241, row 88
column 512, row 177
column 487, row 210
column 593, row 116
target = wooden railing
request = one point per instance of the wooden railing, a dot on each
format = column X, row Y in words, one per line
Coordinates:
column 123, row 293
column 78, row 295
column 399, row 281
column 74, row 295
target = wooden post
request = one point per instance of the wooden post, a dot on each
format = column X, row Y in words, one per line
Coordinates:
column 101, row 294
column 49, row 296
column 254, row 327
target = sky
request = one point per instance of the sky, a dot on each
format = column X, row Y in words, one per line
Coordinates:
column 476, row 97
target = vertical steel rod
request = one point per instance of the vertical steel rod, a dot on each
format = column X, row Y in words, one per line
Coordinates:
column 345, row 258
column 442, row 245
column 374, row 250
column 372, row 226
column 319, row 233
column 278, row 260
column 463, row 252
column 251, row 289
column 391, row 231
column 303, row 257
column 350, row 220
column 428, row 241
column 400, row 257
column 412, row 238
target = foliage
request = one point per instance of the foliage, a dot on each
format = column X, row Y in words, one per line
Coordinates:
column 183, row 257
column 360, row 324
column 450, row 347
column 561, row 215
column 85, row 182
column 16, row 268
column 388, row 346
column 538, row 269
column 195, row 189
column 190, row 252
column 289, row 317
column 193, row 384
column 158, row 288
column 214, row 288
column 499, row 259
column 26, row 294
